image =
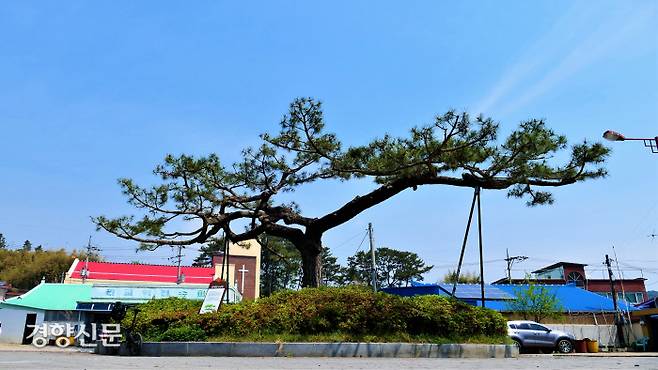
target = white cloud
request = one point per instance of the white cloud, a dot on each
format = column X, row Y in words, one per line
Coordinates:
column 572, row 45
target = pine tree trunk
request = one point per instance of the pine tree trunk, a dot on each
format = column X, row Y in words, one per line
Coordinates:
column 311, row 251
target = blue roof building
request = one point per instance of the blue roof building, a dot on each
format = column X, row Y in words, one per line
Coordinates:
column 497, row 297
column 572, row 298
column 469, row 293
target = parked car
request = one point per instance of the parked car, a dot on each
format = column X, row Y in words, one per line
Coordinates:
column 531, row 335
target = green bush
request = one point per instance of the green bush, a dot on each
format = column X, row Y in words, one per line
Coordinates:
column 350, row 312
column 158, row 315
column 184, row 334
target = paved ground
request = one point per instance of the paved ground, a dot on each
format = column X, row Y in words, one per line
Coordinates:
column 76, row 360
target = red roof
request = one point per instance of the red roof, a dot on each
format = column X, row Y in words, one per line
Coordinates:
column 139, row 272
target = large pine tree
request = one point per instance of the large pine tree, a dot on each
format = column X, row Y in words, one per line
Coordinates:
column 454, row 150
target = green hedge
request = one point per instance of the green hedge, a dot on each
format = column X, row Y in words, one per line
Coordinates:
column 352, row 311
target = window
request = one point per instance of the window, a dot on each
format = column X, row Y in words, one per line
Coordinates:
column 552, row 274
column 634, row 297
column 630, row 297
column 60, row 316
column 512, row 326
column 538, row 327
column 524, row 326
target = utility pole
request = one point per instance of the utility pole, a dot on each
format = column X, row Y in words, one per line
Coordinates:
column 180, row 278
column 90, row 249
column 618, row 323
column 372, row 255
column 510, row 262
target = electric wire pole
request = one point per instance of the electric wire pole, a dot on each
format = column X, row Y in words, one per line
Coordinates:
column 618, row 321
column 90, row 249
column 372, row 255
column 510, row 262
column 180, row 278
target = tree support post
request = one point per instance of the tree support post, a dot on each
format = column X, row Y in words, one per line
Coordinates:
column 477, row 191
column 461, row 255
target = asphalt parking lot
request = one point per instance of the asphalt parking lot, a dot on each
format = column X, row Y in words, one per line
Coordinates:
column 76, row 360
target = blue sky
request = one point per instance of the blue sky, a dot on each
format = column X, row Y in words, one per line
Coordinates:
column 94, row 91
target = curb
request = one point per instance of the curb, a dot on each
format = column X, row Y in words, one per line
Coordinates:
column 391, row 350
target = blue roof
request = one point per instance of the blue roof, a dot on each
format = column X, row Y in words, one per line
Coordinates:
column 474, row 291
column 467, row 292
column 416, row 289
column 571, row 297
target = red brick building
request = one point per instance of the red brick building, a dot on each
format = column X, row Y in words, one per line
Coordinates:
column 634, row 290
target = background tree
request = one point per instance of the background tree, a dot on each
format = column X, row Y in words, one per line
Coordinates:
column 333, row 274
column 82, row 256
column 394, row 267
column 27, row 246
column 24, row 269
column 207, row 250
column 464, row 277
column 453, row 150
column 3, row 242
column 280, row 265
column 535, row 302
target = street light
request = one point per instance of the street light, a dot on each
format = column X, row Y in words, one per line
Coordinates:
column 616, row 136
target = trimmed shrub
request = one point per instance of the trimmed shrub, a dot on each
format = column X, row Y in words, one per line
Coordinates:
column 184, row 334
column 354, row 311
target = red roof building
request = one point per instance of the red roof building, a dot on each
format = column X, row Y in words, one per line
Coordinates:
column 241, row 271
column 130, row 273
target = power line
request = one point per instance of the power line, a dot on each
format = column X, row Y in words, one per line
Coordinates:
column 362, row 240
column 348, row 240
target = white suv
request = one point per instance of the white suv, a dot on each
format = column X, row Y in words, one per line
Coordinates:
column 529, row 334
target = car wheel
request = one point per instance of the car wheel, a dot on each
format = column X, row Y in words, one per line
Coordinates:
column 564, row 346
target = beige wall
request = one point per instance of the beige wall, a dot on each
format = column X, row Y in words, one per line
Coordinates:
column 250, row 248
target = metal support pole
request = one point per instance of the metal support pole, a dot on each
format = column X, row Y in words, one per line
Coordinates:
column 461, row 255
column 480, row 243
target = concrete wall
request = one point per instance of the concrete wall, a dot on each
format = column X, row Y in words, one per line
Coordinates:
column 400, row 350
column 13, row 322
column 606, row 335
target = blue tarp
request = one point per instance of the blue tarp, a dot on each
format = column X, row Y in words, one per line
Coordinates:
column 573, row 298
column 651, row 303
